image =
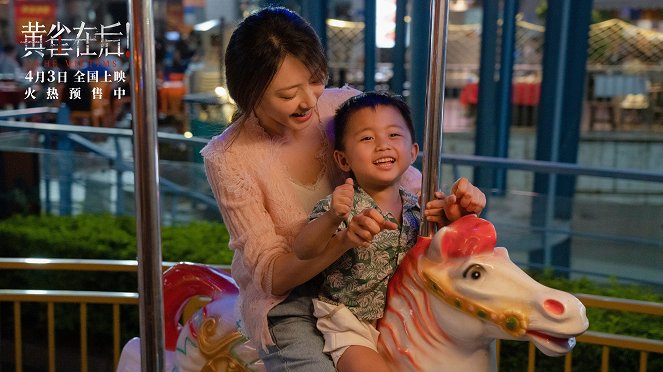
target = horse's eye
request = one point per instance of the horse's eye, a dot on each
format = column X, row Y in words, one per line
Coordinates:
column 475, row 271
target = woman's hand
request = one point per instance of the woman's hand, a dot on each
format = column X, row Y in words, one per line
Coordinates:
column 434, row 210
column 465, row 199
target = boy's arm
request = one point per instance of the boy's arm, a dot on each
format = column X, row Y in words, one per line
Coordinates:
column 318, row 234
column 359, row 233
column 321, row 238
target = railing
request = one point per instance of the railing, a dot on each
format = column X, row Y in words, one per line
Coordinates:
column 544, row 232
column 115, row 299
column 453, row 166
column 84, row 298
column 51, row 297
column 56, row 147
column 606, row 340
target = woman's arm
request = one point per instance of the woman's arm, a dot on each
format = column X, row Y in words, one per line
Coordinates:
column 317, row 236
column 289, row 271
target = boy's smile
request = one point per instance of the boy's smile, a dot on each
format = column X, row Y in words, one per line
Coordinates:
column 385, row 163
column 378, row 147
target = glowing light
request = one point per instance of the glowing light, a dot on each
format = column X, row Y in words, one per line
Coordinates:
column 188, row 134
column 39, row 261
column 207, row 25
column 228, row 111
column 460, row 5
column 385, row 25
column 221, row 92
column 344, row 24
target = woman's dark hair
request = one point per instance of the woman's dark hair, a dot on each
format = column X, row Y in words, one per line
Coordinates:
column 368, row 99
column 257, row 48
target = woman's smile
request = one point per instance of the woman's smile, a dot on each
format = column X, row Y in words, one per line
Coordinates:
column 302, row 117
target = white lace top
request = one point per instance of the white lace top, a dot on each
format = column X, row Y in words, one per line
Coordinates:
column 308, row 196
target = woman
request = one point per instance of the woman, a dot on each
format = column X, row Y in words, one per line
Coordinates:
column 267, row 170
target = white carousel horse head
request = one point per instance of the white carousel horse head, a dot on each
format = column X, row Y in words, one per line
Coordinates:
column 451, row 297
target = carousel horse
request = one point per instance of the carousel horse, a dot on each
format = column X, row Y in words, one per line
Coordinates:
column 446, row 304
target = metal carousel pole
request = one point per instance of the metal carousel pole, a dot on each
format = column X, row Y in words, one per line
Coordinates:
column 146, row 179
column 434, row 123
column 430, row 167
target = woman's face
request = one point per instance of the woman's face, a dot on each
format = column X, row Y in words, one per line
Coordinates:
column 289, row 101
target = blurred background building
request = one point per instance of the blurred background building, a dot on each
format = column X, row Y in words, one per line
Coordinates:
column 553, row 108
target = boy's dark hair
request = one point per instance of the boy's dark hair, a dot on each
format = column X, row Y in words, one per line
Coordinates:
column 368, row 99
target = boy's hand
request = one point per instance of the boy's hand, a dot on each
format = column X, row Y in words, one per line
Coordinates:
column 342, row 199
column 365, row 225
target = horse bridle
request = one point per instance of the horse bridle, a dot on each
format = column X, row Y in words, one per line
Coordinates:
column 512, row 322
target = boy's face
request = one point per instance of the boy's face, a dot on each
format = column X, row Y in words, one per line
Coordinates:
column 378, row 147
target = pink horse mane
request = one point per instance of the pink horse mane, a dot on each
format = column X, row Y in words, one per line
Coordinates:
column 471, row 236
column 466, row 237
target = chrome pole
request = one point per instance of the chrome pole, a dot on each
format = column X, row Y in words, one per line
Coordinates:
column 146, row 179
column 430, row 165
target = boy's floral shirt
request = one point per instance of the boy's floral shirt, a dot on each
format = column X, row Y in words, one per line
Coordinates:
column 359, row 278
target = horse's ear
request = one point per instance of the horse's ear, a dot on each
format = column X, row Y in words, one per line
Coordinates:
column 467, row 236
column 502, row 251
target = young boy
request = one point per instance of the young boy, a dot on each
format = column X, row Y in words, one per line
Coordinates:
column 372, row 222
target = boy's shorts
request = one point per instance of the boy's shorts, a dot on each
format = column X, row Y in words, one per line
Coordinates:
column 342, row 329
